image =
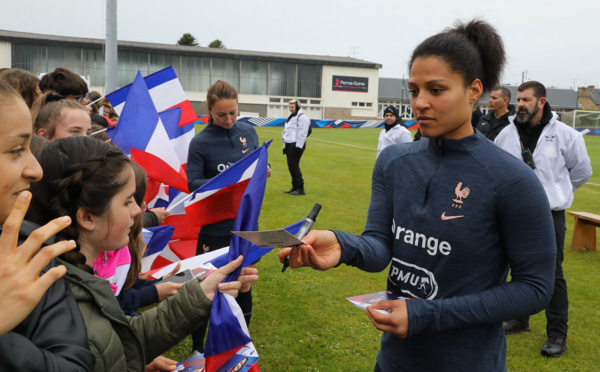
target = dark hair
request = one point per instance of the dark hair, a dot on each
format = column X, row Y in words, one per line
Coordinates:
column 99, row 121
column 94, row 109
column 136, row 245
column 48, row 110
column 24, row 82
column 474, row 50
column 539, row 90
column 504, row 92
column 79, row 172
column 113, row 116
column 219, row 91
column 37, row 144
column 96, row 128
column 94, row 95
column 64, row 82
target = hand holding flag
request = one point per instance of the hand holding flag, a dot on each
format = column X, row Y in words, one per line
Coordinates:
column 214, row 281
column 228, row 331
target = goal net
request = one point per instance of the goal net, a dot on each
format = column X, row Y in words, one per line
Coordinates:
column 582, row 119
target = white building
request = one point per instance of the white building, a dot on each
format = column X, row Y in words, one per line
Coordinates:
column 328, row 87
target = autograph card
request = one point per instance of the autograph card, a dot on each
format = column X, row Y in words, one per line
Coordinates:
column 180, row 277
column 366, row 300
column 270, row 238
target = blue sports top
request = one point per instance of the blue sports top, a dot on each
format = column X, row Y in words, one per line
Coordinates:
column 452, row 216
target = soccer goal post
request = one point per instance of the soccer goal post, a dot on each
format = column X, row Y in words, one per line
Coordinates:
column 582, row 119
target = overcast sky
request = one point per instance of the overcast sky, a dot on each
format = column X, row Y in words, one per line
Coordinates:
column 554, row 41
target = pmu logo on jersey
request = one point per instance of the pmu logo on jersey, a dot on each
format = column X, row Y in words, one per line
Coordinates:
column 412, row 280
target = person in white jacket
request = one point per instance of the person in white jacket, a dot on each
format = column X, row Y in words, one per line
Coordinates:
column 294, row 136
column 558, row 156
column 394, row 130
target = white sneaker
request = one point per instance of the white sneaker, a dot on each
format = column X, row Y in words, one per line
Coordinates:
column 195, row 353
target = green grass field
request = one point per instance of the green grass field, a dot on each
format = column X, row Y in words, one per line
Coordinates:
column 301, row 320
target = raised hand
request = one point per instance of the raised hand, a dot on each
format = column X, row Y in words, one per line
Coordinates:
column 21, row 286
column 161, row 214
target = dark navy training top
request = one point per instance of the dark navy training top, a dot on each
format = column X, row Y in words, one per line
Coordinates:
column 211, row 152
column 451, row 216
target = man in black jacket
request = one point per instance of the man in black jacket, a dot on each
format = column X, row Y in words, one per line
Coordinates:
column 491, row 124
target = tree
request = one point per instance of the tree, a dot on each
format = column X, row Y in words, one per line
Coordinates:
column 187, row 39
column 217, row 44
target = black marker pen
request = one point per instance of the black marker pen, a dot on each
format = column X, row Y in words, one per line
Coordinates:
column 304, row 229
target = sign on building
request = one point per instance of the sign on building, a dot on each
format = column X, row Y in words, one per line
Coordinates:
column 350, row 84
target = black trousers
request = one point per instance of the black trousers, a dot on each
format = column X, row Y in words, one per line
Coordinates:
column 293, row 155
column 207, row 243
column 557, row 312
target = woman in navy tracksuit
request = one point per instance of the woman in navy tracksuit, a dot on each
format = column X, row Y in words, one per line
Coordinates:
column 223, row 142
column 450, row 213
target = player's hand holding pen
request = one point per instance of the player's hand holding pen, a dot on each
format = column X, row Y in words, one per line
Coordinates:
column 321, row 251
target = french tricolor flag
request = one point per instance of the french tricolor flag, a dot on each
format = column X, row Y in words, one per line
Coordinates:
column 228, row 332
column 217, row 200
column 157, row 240
column 184, row 237
column 179, row 136
column 166, row 92
column 141, row 134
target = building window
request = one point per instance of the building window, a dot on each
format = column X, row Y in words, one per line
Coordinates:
column 129, row 64
column 194, row 73
column 282, row 79
column 309, row 81
column 225, row 69
column 93, row 66
column 253, row 79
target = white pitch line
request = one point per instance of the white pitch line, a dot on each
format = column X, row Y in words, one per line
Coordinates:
column 335, row 143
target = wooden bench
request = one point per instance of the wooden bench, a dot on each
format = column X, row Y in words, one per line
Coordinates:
column 584, row 232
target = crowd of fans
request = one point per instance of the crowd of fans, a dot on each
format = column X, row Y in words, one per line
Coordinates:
column 85, row 220
column 72, row 209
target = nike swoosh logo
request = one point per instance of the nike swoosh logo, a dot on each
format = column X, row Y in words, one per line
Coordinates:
column 446, row 218
column 245, row 151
